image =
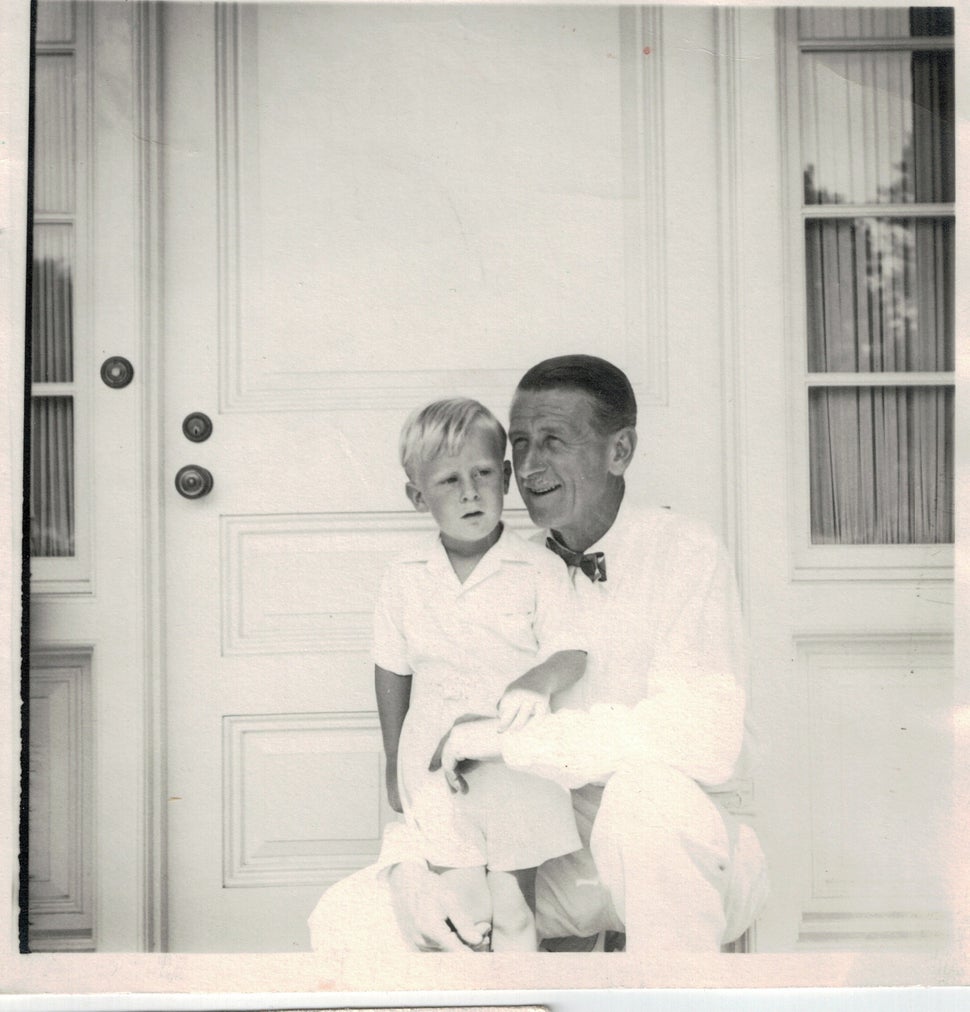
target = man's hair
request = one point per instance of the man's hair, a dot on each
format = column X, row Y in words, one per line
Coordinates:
column 442, row 427
column 614, row 404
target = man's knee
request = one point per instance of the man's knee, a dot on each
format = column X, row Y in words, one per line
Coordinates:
column 658, row 831
column 648, row 798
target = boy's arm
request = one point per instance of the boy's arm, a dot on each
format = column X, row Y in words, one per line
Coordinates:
column 555, row 673
column 528, row 696
column 393, row 698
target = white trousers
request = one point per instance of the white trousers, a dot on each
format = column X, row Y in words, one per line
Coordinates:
column 662, row 861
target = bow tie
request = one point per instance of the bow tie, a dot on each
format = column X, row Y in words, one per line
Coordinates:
column 593, row 564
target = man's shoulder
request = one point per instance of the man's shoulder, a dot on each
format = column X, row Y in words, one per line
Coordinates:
column 662, row 532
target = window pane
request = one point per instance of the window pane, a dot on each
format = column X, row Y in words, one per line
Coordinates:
column 877, row 128
column 873, row 22
column 881, row 464
column 53, row 164
column 52, row 305
column 880, row 294
column 55, row 21
column 52, row 476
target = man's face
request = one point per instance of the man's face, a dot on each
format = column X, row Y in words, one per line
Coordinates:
column 564, row 467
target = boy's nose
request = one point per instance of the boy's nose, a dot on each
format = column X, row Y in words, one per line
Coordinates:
column 469, row 491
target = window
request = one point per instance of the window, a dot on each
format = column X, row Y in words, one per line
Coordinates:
column 58, row 541
column 872, row 114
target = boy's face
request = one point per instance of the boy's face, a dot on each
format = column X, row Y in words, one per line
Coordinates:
column 463, row 491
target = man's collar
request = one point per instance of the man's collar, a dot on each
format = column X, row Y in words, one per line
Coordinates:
column 606, row 538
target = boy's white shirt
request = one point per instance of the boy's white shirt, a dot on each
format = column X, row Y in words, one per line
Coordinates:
column 425, row 570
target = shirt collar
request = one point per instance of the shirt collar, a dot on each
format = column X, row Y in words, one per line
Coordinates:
column 432, row 552
column 614, row 535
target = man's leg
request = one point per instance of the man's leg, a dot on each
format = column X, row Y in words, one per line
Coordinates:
column 663, row 850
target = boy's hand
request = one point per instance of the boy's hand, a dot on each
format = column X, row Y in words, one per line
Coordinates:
column 471, row 738
column 518, row 706
column 393, row 794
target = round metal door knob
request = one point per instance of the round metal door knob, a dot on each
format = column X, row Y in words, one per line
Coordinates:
column 193, row 481
column 117, row 372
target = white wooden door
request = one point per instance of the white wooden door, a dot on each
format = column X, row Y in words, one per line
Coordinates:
column 365, row 208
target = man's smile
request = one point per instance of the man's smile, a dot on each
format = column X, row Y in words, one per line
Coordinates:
column 542, row 489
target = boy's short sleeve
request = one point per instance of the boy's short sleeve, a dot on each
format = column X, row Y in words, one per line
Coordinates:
column 390, row 645
column 558, row 619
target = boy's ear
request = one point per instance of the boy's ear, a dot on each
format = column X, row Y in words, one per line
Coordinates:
column 507, row 472
column 417, row 499
column 624, row 446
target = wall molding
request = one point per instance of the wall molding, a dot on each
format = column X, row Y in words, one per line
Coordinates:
column 728, row 69
column 373, row 537
column 644, row 157
column 61, row 893
column 246, row 389
column 904, row 676
column 250, row 857
column 147, row 99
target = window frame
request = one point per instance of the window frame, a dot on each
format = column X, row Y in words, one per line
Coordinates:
column 842, row 562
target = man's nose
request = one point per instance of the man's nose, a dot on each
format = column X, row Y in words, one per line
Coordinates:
column 528, row 462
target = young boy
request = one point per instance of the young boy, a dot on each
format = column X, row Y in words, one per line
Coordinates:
column 478, row 622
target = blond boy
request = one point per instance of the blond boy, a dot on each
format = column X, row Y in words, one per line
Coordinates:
column 475, row 623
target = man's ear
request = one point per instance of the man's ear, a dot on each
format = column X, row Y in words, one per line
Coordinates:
column 417, row 499
column 624, row 447
column 507, row 473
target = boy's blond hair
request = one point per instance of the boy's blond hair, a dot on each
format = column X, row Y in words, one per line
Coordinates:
column 443, row 427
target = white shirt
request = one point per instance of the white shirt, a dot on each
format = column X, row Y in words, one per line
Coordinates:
column 666, row 676
column 465, row 642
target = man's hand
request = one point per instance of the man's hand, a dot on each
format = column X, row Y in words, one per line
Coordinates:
column 518, row 706
column 428, row 913
column 393, row 794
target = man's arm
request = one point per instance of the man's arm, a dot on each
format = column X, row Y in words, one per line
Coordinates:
column 692, row 716
column 528, row 696
column 393, row 698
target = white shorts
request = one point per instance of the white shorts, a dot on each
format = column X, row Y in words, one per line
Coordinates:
column 506, row 821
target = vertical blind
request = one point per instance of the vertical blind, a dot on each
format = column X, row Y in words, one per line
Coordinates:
column 52, row 417
column 52, row 476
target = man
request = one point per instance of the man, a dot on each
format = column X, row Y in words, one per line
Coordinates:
column 648, row 739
